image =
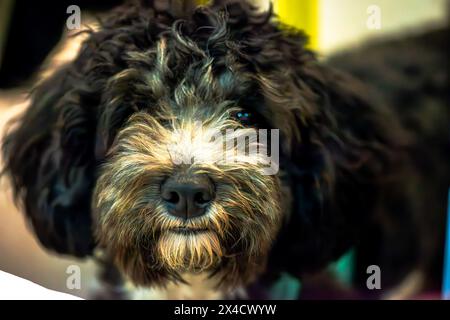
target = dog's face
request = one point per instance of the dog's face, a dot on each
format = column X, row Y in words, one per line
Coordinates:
column 134, row 148
column 175, row 193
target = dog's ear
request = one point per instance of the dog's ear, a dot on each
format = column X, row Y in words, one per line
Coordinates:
column 343, row 151
column 48, row 154
column 51, row 153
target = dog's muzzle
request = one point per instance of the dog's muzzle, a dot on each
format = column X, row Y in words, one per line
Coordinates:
column 187, row 197
column 169, row 201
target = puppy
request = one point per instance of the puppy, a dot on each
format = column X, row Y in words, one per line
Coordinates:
column 130, row 151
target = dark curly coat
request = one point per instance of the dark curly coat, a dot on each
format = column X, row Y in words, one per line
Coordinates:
column 359, row 167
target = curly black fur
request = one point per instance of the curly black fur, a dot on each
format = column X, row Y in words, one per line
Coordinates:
column 343, row 153
column 410, row 75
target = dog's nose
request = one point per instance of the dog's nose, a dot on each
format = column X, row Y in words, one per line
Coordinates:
column 187, row 198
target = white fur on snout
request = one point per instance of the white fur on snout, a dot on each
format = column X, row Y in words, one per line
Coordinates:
column 193, row 143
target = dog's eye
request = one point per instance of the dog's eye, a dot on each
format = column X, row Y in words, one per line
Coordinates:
column 245, row 117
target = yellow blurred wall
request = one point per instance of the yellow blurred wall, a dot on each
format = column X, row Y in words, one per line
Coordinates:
column 302, row 14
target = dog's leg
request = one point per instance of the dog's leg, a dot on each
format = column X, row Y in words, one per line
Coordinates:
column 110, row 284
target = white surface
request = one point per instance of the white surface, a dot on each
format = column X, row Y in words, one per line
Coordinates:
column 16, row 288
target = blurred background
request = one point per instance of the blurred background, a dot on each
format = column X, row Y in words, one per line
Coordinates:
column 34, row 34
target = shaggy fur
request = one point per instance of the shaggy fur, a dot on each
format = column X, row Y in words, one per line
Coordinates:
column 133, row 221
column 411, row 76
column 87, row 159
